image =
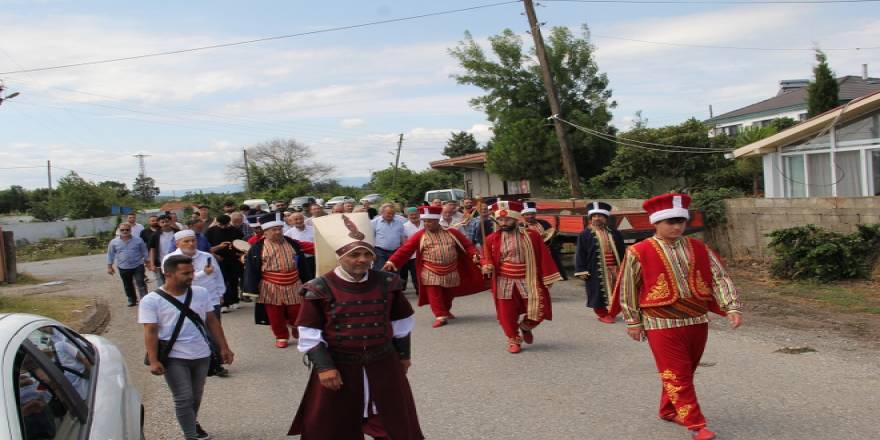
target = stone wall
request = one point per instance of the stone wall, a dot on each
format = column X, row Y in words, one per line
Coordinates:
column 749, row 220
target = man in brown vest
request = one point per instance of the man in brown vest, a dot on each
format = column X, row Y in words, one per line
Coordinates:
column 667, row 285
column 354, row 327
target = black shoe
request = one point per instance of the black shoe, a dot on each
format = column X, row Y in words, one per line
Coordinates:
column 132, row 304
column 246, row 299
column 223, row 372
column 201, row 434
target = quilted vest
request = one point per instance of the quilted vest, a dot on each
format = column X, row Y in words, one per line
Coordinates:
column 659, row 287
column 357, row 318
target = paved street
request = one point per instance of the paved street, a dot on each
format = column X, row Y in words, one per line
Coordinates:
column 581, row 380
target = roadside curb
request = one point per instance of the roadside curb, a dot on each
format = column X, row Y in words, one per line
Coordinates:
column 94, row 319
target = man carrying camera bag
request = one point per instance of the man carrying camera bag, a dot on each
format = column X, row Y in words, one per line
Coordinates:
column 177, row 319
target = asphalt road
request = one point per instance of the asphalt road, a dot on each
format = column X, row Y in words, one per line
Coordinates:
column 580, row 380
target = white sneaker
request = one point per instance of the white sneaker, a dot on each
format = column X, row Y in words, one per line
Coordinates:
column 224, row 309
column 234, row 306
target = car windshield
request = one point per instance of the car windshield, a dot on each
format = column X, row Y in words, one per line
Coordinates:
column 337, row 198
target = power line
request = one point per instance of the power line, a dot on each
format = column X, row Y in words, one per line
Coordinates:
column 664, row 148
column 261, row 40
column 717, row 2
column 707, row 46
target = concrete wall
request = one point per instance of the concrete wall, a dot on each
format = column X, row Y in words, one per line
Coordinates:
column 749, row 220
column 33, row 232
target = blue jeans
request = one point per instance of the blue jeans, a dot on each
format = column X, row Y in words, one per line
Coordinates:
column 382, row 256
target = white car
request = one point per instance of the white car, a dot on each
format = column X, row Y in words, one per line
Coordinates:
column 338, row 199
column 58, row 384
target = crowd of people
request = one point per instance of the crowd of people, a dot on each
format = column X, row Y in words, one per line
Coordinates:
column 353, row 322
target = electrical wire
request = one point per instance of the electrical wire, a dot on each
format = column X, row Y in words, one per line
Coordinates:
column 716, row 2
column 635, row 144
column 708, row 46
column 261, row 40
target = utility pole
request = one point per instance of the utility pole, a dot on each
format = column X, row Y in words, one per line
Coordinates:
column 553, row 98
column 396, row 161
column 247, row 173
column 49, row 174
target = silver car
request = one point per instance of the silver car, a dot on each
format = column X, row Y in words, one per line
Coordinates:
column 58, row 384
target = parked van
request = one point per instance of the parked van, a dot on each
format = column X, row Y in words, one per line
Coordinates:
column 261, row 204
column 445, row 194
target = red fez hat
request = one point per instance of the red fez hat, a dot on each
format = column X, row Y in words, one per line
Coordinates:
column 667, row 206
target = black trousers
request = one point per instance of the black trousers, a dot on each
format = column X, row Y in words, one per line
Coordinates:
column 132, row 277
column 231, row 270
column 409, row 269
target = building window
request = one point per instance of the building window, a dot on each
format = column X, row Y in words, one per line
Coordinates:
column 819, row 170
column 795, row 176
column 864, row 129
column 875, row 171
column 732, row 130
column 849, row 170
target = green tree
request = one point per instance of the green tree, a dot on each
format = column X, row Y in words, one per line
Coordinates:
column 279, row 163
column 461, row 143
column 822, row 93
column 640, row 172
column 410, row 186
column 524, row 145
column 79, row 198
column 145, row 189
column 119, row 188
column 14, row 199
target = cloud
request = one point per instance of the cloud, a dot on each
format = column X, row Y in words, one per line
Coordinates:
column 352, row 122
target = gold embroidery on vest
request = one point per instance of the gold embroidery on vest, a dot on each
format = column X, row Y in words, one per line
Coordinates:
column 660, row 289
column 701, row 286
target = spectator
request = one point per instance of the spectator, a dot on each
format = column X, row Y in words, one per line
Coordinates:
column 129, row 253
column 177, row 225
column 238, row 221
column 299, row 230
column 347, row 207
column 338, row 208
column 205, row 274
column 370, row 210
column 245, row 210
column 389, row 234
column 136, row 228
column 221, row 237
column 152, row 227
column 229, row 207
column 450, row 217
column 185, row 364
column 197, row 225
column 205, row 215
column 409, row 229
column 436, row 202
column 467, row 206
column 316, row 210
column 160, row 245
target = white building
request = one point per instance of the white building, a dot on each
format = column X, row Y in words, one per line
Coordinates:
column 479, row 182
column 835, row 154
column 789, row 102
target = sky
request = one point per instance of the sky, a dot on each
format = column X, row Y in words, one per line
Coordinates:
column 348, row 94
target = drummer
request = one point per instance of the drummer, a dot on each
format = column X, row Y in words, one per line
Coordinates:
column 531, row 221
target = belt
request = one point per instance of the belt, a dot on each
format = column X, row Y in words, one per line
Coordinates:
column 441, row 269
column 512, row 270
column 281, row 278
column 364, row 357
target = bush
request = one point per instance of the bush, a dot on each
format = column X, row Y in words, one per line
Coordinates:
column 810, row 252
column 711, row 202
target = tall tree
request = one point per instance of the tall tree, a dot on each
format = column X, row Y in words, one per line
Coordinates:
column 119, row 188
column 822, row 93
column 79, row 198
column 461, row 143
column 144, row 188
column 279, row 163
column 524, row 145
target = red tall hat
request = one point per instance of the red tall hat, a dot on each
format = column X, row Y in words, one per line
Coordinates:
column 667, row 206
column 505, row 208
column 430, row 212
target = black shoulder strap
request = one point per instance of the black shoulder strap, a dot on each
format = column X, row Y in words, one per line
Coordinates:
column 177, row 326
column 191, row 314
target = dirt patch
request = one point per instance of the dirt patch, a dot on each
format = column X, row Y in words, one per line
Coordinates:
column 849, row 309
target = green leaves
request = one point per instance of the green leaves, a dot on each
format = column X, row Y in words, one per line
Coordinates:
column 822, row 93
column 810, row 252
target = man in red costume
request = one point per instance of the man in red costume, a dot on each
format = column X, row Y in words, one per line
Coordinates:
column 354, row 327
column 446, row 264
column 522, row 271
column 272, row 271
column 667, row 285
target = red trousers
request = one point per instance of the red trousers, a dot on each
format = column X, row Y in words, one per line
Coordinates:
column 373, row 427
column 280, row 317
column 677, row 352
column 509, row 311
column 600, row 311
column 440, row 299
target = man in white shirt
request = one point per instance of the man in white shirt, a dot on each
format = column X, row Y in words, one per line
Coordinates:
column 136, row 228
column 298, row 229
column 186, row 364
column 450, row 217
column 409, row 229
column 206, row 274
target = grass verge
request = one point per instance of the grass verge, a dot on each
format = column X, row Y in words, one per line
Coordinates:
column 51, row 249
column 60, row 308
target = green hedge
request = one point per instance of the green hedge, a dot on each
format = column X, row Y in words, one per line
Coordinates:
column 810, row 252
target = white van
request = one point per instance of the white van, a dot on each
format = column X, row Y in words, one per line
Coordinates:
column 261, row 204
column 445, row 194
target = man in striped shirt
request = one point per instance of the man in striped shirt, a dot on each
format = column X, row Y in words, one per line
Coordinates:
column 668, row 284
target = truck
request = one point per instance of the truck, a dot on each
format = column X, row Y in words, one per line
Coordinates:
column 569, row 218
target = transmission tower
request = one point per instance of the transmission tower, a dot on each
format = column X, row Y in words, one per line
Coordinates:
column 141, row 165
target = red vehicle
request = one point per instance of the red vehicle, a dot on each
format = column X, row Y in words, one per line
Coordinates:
column 570, row 219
